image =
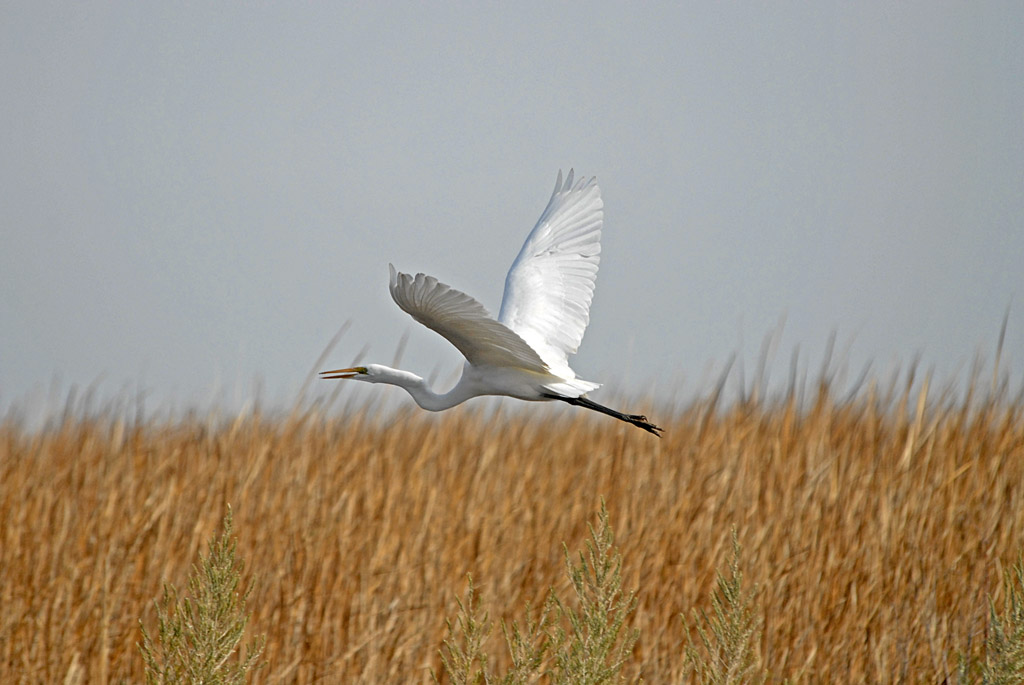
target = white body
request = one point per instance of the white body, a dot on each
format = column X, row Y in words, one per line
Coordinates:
column 524, row 353
column 544, row 312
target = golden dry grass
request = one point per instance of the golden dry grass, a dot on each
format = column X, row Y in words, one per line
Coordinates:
column 873, row 528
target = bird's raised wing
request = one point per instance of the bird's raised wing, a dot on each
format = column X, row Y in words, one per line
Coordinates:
column 463, row 321
column 550, row 286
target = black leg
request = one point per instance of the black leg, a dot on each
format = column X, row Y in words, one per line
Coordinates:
column 637, row 420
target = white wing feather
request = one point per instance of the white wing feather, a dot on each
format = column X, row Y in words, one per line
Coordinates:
column 463, row 322
column 550, row 286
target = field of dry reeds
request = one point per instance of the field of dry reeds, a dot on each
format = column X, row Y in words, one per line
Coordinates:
column 875, row 528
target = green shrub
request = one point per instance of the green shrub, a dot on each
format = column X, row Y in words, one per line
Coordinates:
column 582, row 642
column 730, row 635
column 197, row 635
column 1003, row 660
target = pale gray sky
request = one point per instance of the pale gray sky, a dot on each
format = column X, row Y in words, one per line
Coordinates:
column 197, row 195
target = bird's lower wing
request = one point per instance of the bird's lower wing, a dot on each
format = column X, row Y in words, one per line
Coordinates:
column 463, row 321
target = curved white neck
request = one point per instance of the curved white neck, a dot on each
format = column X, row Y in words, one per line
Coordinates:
column 424, row 396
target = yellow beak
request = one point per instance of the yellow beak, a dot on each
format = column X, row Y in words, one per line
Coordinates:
column 344, row 373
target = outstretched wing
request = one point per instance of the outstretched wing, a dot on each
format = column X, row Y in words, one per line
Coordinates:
column 463, row 321
column 550, row 286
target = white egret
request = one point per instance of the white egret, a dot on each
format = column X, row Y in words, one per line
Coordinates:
column 544, row 312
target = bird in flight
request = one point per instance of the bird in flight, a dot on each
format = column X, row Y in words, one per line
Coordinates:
column 544, row 312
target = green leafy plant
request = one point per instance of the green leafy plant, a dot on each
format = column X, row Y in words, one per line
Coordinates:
column 197, row 635
column 582, row 642
column 729, row 635
column 463, row 655
column 596, row 648
column 531, row 644
column 1003, row 660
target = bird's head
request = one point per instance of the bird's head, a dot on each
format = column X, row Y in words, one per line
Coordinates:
column 372, row 373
